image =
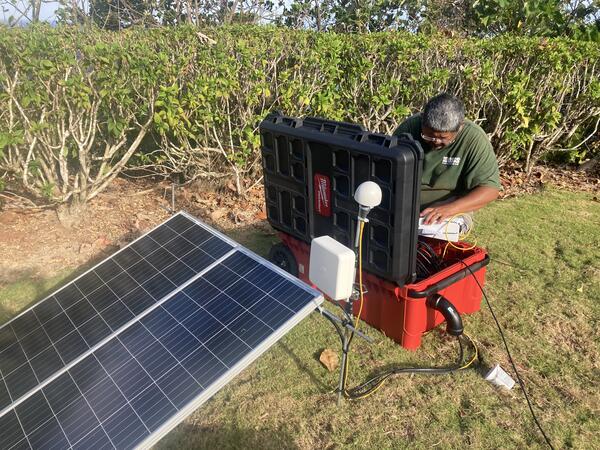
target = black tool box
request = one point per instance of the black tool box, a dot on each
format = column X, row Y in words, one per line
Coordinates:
column 312, row 168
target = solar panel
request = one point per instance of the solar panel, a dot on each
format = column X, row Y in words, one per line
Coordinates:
column 111, row 362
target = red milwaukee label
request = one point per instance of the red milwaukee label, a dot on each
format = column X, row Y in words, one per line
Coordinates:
column 322, row 195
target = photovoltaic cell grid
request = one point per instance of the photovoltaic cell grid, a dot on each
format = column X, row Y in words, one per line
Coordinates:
column 83, row 313
column 152, row 373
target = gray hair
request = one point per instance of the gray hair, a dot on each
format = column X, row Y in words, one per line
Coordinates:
column 444, row 112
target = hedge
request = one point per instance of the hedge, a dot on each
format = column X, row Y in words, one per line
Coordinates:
column 77, row 105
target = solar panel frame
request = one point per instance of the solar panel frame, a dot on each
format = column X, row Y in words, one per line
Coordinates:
column 257, row 274
column 23, row 373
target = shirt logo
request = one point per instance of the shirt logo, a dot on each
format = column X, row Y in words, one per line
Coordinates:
column 451, row 161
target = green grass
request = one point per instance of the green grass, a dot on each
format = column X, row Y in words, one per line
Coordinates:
column 544, row 284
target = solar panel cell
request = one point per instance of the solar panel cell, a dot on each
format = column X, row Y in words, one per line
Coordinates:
column 104, row 296
column 116, row 315
column 125, row 428
column 33, row 412
column 46, row 363
column 48, row 436
column 12, row 433
column 158, row 322
column 137, row 300
column 94, row 330
column 179, row 223
column 161, row 259
column 197, row 235
column 58, row 327
column 162, row 235
column 87, row 373
column 4, row 396
column 204, row 366
column 250, row 329
column 108, row 270
column 156, row 360
column 144, row 246
column 88, row 283
column 179, row 386
column 61, row 392
column 12, row 358
column 71, row 346
column 47, row 310
column 105, row 398
column 197, row 260
column 80, row 312
column 227, row 347
column 20, row 381
column 201, row 292
column 158, row 286
column 68, row 296
column 24, row 324
column 178, row 273
column 179, row 342
column 96, row 439
column 77, row 419
column 216, row 247
column 127, row 257
column 7, row 338
column 112, row 355
column 131, row 378
column 153, row 407
column 120, row 286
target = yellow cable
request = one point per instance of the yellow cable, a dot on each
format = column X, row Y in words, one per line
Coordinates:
column 360, row 285
column 360, row 308
column 474, row 356
column 461, row 237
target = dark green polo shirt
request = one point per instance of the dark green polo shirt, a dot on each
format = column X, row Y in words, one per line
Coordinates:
column 454, row 170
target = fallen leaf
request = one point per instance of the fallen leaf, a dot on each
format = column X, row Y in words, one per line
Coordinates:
column 217, row 214
column 580, row 288
column 329, row 359
column 261, row 215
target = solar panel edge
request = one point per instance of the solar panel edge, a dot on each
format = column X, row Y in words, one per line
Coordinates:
column 112, row 255
column 234, row 371
column 117, row 332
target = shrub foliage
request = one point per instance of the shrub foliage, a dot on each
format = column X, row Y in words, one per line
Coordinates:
column 77, row 105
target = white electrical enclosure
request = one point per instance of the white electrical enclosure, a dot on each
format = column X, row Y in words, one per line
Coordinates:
column 331, row 267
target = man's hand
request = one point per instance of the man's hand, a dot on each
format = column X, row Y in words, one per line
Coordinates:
column 474, row 200
column 439, row 213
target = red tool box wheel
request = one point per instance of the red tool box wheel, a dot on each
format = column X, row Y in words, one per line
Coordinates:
column 282, row 256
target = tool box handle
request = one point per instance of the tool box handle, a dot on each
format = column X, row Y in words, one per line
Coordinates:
column 444, row 283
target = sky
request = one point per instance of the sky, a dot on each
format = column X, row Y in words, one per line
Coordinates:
column 47, row 12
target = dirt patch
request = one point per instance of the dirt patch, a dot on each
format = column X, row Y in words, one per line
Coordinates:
column 38, row 244
column 517, row 182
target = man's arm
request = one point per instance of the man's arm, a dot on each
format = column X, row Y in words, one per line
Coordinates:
column 476, row 198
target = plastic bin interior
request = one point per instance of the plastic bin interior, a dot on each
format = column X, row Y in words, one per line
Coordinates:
column 401, row 313
column 312, row 168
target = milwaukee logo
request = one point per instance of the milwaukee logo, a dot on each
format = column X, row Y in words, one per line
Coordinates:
column 322, row 195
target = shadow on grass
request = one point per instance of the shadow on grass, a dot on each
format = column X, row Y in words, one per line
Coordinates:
column 29, row 289
column 190, row 436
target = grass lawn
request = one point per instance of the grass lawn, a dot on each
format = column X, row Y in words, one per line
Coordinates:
column 544, row 284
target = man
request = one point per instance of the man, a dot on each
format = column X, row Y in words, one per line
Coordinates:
column 460, row 170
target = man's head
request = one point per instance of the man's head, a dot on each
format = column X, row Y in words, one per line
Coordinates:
column 442, row 120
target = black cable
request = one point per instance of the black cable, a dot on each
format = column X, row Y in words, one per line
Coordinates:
column 512, row 363
column 371, row 385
